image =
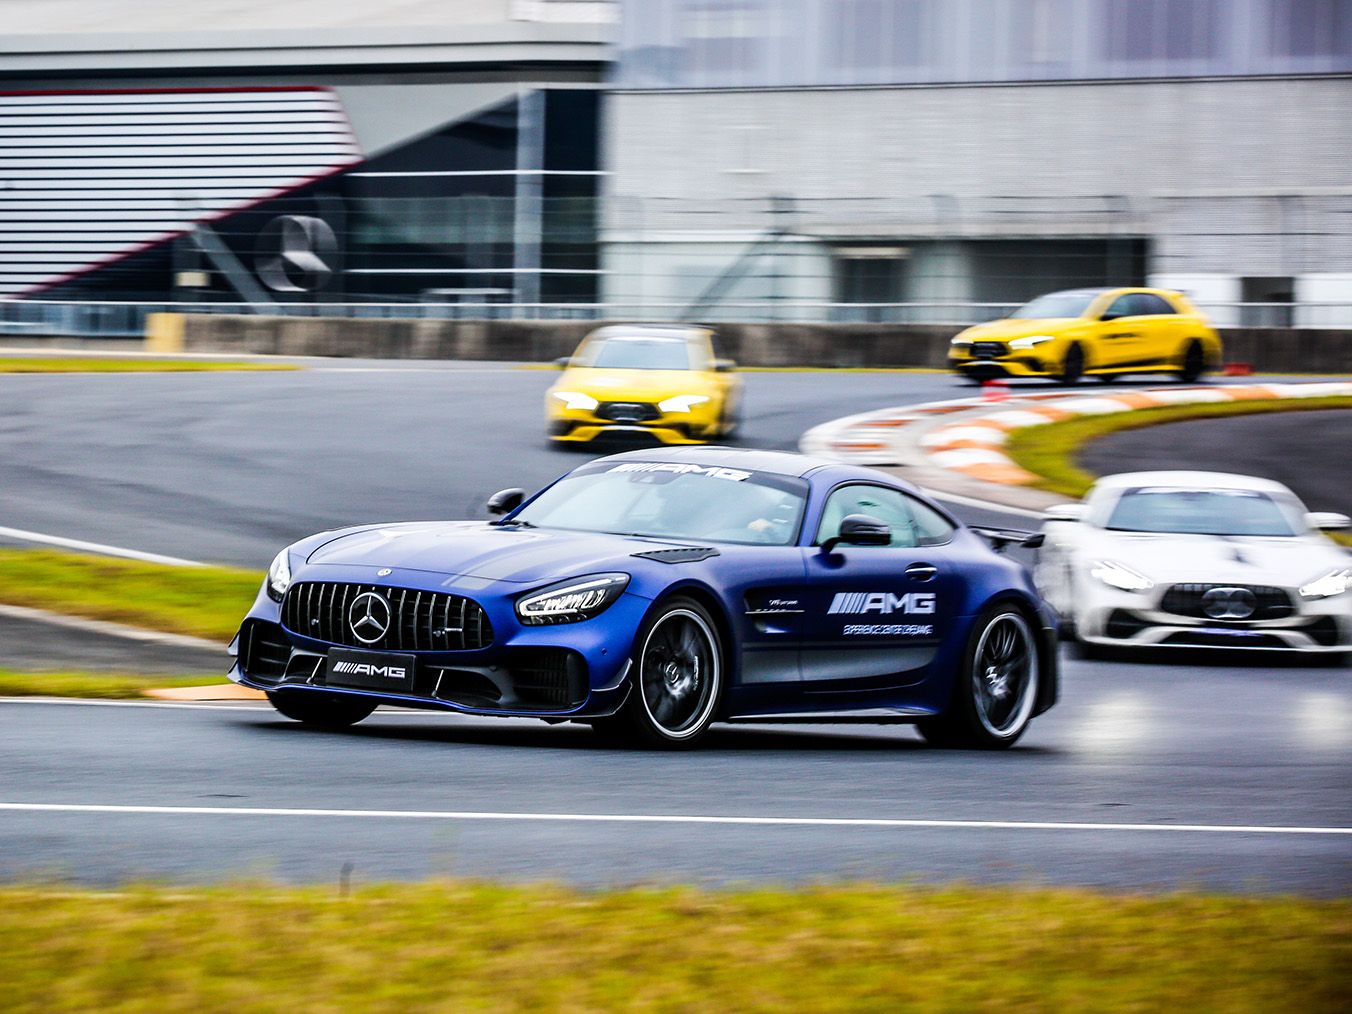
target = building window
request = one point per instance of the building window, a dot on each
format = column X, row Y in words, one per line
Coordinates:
column 1141, row 30
column 1311, row 27
column 722, row 36
column 874, row 34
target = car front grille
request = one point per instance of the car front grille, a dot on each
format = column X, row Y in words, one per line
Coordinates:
column 417, row 620
column 1189, row 600
column 628, row 411
column 988, row 350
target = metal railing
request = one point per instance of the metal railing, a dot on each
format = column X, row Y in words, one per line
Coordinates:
column 39, row 318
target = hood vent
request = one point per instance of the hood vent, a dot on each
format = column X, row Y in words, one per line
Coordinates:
column 693, row 554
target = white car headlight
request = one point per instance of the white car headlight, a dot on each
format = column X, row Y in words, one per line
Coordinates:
column 1329, row 585
column 1031, row 340
column 1121, row 576
column 682, row 402
column 960, row 340
column 576, row 400
column 279, row 575
column 571, row 601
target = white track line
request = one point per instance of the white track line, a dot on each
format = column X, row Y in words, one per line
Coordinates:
column 655, row 818
column 95, row 547
column 86, row 625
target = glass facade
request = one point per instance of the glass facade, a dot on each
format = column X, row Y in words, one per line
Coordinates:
column 784, row 43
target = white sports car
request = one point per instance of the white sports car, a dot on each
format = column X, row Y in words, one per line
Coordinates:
column 1196, row 560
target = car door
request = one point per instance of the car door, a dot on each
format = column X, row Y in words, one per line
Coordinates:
column 1161, row 330
column 874, row 616
column 1119, row 334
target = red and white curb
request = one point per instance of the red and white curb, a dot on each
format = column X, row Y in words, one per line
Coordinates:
column 966, row 436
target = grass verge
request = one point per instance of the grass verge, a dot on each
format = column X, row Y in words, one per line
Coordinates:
column 131, row 364
column 205, row 602
column 458, row 946
column 1049, row 451
column 109, row 686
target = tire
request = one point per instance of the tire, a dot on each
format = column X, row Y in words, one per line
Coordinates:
column 1072, row 367
column 996, row 692
column 328, row 711
column 731, row 424
column 1194, row 364
column 677, row 682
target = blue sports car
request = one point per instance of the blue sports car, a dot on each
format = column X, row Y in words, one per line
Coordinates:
column 655, row 592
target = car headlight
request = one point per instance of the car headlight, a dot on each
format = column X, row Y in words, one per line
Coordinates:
column 1329, row 585
column 682, row 402
column 279, row 575
column 576, row 400
column 571, row 601
column 1030, row 341
column 960, row 340
column 1121, row 576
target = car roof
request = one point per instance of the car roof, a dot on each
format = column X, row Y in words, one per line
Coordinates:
column 773, row 462
column 1189, row 480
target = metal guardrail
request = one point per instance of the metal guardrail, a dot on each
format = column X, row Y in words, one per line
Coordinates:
column 37, row 318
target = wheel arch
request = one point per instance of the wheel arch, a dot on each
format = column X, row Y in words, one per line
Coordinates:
column 717, row 610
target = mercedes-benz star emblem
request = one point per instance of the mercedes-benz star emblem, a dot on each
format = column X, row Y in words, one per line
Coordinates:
column 1229, row 603
column 369, row 617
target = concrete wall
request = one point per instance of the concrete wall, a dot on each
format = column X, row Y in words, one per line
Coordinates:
column 1290, row 350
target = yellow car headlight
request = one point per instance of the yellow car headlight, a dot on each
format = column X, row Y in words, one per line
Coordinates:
column 576, row 400
column 1031, row 341
column 682, row 402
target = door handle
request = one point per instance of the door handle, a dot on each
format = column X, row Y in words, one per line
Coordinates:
column 922, row 571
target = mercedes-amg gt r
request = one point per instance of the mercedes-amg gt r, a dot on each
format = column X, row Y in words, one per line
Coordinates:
column 655, row 592
column 1197, row 560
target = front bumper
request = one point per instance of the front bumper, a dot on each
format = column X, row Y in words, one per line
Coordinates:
column 574, row 670
column 1023, row 365
column 1130, row 620
column 698, row 426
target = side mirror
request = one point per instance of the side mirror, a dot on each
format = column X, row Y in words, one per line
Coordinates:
column 1327, row 521
column 563, row 362
column 1064, row 512
column 859, row 530
column 504, row 501
column 724, row 366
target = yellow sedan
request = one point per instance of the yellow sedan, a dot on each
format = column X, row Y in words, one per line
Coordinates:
column 1104, row 333
column 652, row 381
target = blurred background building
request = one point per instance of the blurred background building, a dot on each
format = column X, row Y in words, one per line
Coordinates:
column 850, row 160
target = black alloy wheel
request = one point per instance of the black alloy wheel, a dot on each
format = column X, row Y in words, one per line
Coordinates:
column 1194, row 364
column 676, row 681
column 996, row 693
column 314, row 707
column 1072, row 369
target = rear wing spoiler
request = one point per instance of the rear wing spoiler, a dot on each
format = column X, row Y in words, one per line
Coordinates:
column 1001, row 538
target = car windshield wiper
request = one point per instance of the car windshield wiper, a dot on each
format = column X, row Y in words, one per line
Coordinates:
column 515, row 523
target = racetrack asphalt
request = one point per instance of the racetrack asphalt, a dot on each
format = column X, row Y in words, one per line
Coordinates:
column 229, row 467
column 1308, row 451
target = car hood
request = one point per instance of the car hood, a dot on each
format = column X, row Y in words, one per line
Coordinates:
column 1214, row 559
column 1007, row 330
column 481, row 550
column 641, row 385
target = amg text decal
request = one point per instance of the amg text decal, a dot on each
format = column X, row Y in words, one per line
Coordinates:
column 713, row 472
column 392, row 672
column 882, row 602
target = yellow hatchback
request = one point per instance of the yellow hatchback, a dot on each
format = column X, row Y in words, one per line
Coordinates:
column 1103, row 333
column 659, row 381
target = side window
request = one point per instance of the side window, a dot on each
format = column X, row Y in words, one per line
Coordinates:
column 1122, row 306
column 912, row 522
column 1154, row 305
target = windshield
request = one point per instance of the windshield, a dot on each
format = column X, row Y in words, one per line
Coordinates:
column 1200, row 512
column 639, row 352
column 671, row 500
column 1055, row 304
